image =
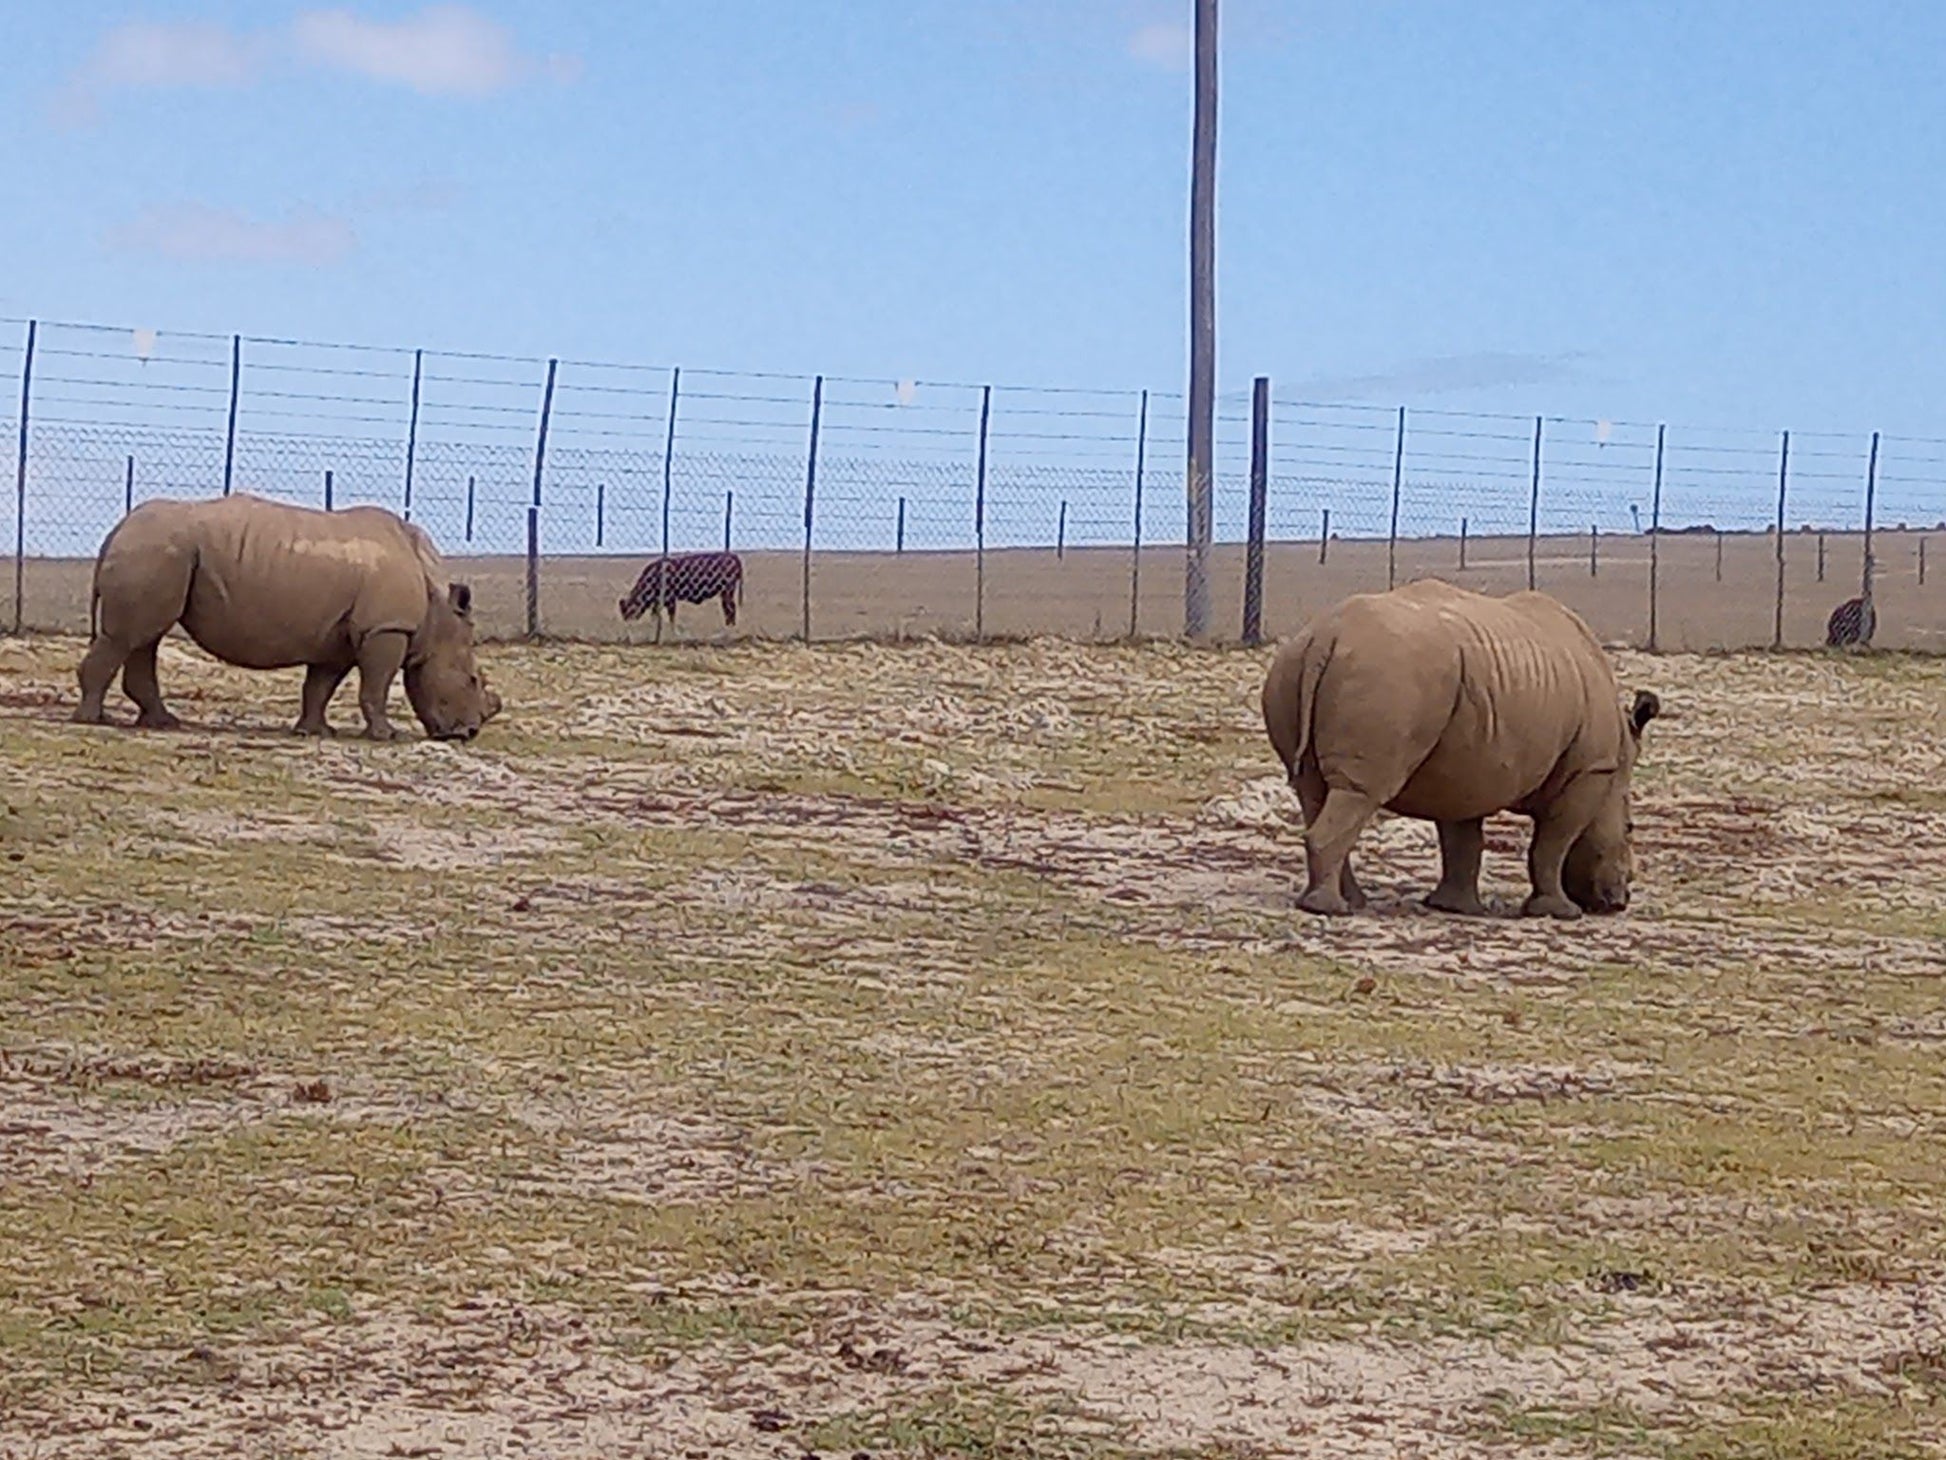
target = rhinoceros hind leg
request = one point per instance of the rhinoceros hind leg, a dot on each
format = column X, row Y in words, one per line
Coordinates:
column 1311, row 791
column 380, row 658
column 97, row 672
column 140, row 684
column 1461, row 844
column 321, row 681
column 1327, row 848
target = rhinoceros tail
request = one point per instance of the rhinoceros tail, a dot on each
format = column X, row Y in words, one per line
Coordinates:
column 1317, row 659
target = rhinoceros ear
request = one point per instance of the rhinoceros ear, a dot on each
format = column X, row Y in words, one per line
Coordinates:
column 1645, row 709
column 461, row 597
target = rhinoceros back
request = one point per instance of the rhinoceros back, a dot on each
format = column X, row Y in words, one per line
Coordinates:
column 1449, row 704
column 278, row 585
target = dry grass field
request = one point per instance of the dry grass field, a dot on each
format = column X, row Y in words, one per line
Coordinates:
column 762, row 1050
column 1086, row 594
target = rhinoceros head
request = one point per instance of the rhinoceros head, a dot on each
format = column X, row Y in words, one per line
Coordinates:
column 1601, row 863
column 442, row 677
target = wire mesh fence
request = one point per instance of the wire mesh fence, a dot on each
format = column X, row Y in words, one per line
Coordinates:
column 865, row 507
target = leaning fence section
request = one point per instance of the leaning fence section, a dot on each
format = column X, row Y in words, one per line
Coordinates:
column 601, row 499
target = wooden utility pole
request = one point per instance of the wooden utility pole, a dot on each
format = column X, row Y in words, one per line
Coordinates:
column 1202, row 325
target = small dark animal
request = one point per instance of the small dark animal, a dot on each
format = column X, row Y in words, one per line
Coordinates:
column 690, row 577
column 1852, row 622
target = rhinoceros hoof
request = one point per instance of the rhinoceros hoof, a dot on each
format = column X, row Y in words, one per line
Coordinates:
column 84, row 716
column 320, row 729
column 1460, row 904
column 380, row 732
column 1325, row 901
column 163, row 721
column 1550, row 907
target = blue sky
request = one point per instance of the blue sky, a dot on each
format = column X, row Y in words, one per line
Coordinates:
column 1725, row 213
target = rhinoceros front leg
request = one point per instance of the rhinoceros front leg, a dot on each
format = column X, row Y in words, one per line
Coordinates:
column 1327, row 848
column 1555, row 831
column 380, row 658
column 321, row 681
column 1461, row 844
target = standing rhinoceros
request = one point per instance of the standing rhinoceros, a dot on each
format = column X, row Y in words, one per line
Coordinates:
column 1445, row 705
column 268, row 585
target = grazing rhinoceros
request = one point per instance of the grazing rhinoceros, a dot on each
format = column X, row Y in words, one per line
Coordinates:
column 268, row 585
column 1445, row 705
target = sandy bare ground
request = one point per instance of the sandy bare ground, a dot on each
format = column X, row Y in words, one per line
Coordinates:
column 1087, row 594
column 913, row 1051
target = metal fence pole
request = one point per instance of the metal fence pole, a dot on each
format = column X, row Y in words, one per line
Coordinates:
column 1253, row 552
column 128, row 487
column 810, row 499
column 1398, row 481
column 20, row 480
column 1869, row 617
column 669, row 453
column 236, row 383
column 534, row 506
column 1534, row 504
column 329, row 505
column 412, row 432
column 1719, row 552
column 1135, row 557
column 980, row 521
column 1324, row 535
column 533, row 571
column 1820, row 557
column 1462, row 561
column 1594, row 549
column 1655, row 539
column 469, row 508
column 1783, row 479
column 898, row 538
column 601, row 511
column 729, row 506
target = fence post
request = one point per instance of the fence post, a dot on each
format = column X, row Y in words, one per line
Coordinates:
column 533, row 571
column 729, row 506
column 1398, row 480
column 1922, row 562
column 1462, row 565
column 534, row 507
column 601, row 511
column 412, row 432
column 1719, row 552
column 1135, row 559
column 1061, row 532
column 810, row 497
column 1534, row 503
column 128, row 488
column 1820, row 557
column 1868, row 619
column 980, row 521
column 469, row 508
column 898, row 532
column 1594, row 549
column 229, row 439
column 1253, row 552
column 669, row 453
column 20, row 481
column 1324, row 534
column 329, row 506
column 1655, row 539
column 1783, row 479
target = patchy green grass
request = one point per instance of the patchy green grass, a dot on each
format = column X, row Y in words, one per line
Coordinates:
column 914, row 1051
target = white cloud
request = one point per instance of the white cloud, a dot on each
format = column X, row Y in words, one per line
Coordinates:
column 199, row 233
column 1163, row 43
column 443, row 50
